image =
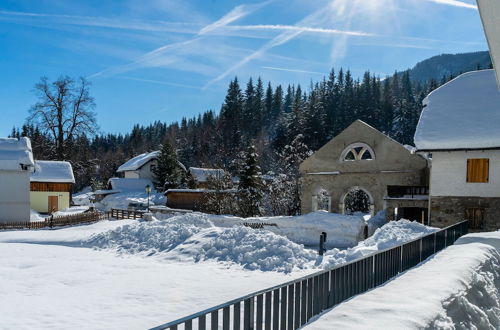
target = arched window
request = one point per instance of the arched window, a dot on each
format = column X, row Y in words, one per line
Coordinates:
column 358, row 151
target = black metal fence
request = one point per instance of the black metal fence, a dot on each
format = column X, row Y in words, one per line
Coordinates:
column 293, row 304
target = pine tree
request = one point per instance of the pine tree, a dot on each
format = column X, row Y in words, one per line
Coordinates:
column 167, row 173
column 250, row 185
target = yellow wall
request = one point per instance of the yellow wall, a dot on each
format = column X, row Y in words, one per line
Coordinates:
column 39, row 200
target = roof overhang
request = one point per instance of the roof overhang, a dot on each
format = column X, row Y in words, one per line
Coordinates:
column 457, row 149
column 490, row 14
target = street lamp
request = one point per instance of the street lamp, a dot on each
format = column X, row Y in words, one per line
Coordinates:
column 148, row 190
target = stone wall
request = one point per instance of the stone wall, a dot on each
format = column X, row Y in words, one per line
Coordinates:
column 446, row 211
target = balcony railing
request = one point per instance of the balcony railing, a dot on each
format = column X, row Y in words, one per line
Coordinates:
column 407, row 191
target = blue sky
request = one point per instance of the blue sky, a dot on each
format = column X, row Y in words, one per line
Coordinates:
column 165, row 59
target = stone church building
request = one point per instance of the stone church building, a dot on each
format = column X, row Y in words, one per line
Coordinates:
column 364, row 170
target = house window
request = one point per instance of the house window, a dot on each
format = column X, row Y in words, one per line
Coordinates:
column 478, row 170
column 475, row 215
column 152, row 167
column 358, row 151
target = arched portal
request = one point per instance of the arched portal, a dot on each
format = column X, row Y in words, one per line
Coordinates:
column 355, row 200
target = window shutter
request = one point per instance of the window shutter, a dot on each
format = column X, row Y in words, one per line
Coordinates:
column 478, row 170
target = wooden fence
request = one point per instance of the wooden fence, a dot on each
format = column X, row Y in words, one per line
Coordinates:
column 126, row 214
column 59, row 221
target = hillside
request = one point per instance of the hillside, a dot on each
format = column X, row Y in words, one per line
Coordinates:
column 445, row 65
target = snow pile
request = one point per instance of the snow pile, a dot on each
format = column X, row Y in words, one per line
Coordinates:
column 52, row 171
column 14, row 153
column 193, row 237
column 389, row 235
column 253, row 249
column 71, row 211
column 138, row 161
column 445, row 122
column 35, row 216
column 151, row 237
column 342, row 230
column 376, row 222
column 456, row 289
column 83, row 197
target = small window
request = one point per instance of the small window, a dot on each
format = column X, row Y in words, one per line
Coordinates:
column 476, row 216
column 152, row 167
column 358, row 151
column 478, row 170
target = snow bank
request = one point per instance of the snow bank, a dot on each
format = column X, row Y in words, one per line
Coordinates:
column 35, row 216
column 197, row 237
column 456, row 289
column 193, row 237
column 52, row 171
column 83, row 197
column 342, row 230
column 389, row 235
column 123, row 199
column 376, row 222
column 490, row 238
column 71, row 210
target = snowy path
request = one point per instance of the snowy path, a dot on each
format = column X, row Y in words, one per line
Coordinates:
column 60, row 287
column 457, row 288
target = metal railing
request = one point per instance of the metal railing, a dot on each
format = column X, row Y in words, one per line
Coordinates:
column 293, row 304
column 411, row 191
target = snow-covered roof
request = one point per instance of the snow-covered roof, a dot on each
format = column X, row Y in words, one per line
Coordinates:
column 202, row 174
column 129, row 184
column 15, row 154
column 490, row 11
column 138, row 161
column 52, row 171
column 462, row 114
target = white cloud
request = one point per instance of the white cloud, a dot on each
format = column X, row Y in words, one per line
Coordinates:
column 279, row 27
column 454, row 3
column 291, row 70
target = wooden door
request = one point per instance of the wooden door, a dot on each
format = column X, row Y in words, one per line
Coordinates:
column 53, row 204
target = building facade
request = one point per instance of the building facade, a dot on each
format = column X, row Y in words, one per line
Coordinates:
column 50, row 186
column 16, row 164
column 459, row 129
column 363, row 170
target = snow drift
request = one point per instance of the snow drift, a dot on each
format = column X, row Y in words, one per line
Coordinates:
column 196, row 237
column 457, row 288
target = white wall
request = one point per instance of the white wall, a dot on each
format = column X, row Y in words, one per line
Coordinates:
column 449, row 174
column 14, row 196
column 143, row 173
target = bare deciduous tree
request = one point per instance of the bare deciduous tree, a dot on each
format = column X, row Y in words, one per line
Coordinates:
column 64, row 111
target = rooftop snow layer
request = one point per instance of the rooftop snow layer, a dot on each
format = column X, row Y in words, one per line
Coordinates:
column 52, row 171
column 462, row 114
column 128, row 184
column 138, row 161
column 202, row 174
column 14, row 153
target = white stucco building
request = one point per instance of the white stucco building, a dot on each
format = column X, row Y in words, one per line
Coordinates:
column 459, row 129
column 16, row 164
column 140, row 167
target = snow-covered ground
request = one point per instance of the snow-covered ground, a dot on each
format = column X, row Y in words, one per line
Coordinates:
column 137, row 274
column 459, row 288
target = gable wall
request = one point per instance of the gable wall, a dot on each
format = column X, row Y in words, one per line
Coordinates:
column 14, row 196
column 393, row 165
